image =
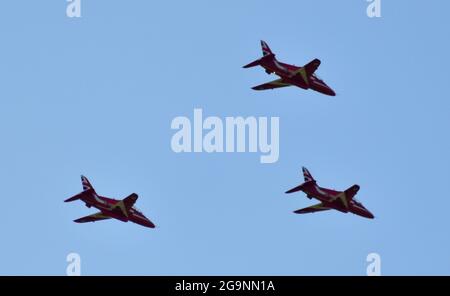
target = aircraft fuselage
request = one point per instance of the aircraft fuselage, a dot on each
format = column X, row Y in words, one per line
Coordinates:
column 296, row 75
column 115, row 209
column 339, row 200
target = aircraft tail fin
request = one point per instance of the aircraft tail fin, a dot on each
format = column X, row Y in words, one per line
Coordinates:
column 87, row 189
column 307, row 175
column 308, row 180
column 267, row 55
column 265, row 48
column 86, row 184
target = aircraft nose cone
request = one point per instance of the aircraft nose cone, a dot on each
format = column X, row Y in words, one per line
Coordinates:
column 369, row 215
column 148, row 224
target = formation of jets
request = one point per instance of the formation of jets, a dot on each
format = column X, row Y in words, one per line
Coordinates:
column 303, row 77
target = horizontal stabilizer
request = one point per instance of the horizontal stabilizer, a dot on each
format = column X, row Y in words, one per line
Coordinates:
column 298, row 188
column 79, row 195
column 253, row 64
column 258, row 62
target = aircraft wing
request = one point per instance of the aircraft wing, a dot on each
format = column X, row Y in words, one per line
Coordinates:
column 130, row 200
column 271, row 85
column 312, row 209
column 306, row 71
column 342, row 198
column 312, row 66
column 92, row 218
column 126, row 204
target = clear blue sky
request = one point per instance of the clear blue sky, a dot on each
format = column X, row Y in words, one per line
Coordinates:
column 96, row 96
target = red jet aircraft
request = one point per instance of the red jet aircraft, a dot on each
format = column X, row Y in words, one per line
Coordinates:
column 122, row 210
column 342, row 201
column 302, row 77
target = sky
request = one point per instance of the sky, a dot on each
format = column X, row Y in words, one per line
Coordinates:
column 96, row 95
